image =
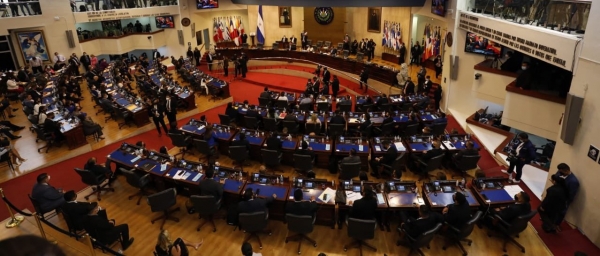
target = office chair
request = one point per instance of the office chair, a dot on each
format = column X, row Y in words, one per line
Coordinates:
column 438, row 129
column 433, row 164
column 281, row 104
column 360, row 230
column 336, row 130
column 396, row 168
column 224, row 119
column 292, row 126
column 512, row 229
column 124, row 115
column 323, row 106
column 411, row 130
column 206, row 207
column 254, row 223
column 386, row 129
column 250, row 122
column 181, row 141
column 455, row 235
column 48, row 137
column 162, row 202
column 416, row 243
column 363, row 107
column 314, row 127
column 239, row 154
column 270, row 124
column 88, row 178
column 306, row 107
column 72, row 225
column 271, row 159
column 263, row 102
column 466, row 163
column 203, row 148
column 343, row 107
column 137, row 181
column 301, row 225
column 385, row 107
column 275, row 46
column 6, row 158
column 303, row 163
column 42, row 212
column 349, row 171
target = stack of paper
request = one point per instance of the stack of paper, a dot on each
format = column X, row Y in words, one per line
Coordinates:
column 449, row 144
column 512, row 189
column 380, row 199
column 201, row 127
column 399, row 146
column 179, row 175
column 352, row 196
column 163, row 167
column 135, row 159
column 330, row 195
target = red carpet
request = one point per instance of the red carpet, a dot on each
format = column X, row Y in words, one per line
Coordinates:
column 566, row 242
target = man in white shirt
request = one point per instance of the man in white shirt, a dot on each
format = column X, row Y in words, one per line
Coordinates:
column 58, row 57
column 36, row 65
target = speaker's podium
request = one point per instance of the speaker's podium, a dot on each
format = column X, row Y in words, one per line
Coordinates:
column 283, row 45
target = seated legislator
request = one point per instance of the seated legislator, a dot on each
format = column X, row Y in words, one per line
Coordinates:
column 388, row 158
column 242, row 141
column 210, row 137
column 253, row 112
column 47, row 196
column 433, row 152
column 106, row 231
column 251, row 203
column 290, row 116
column 166, row 247
column 300, row 207
column 338, row 118
column 468, row 151
column 365, row 207
column 274, row 143
column 305, row 150
column 230, row 112
column 97, row 169
column 426, row 221
column 423, row 102
column 352, row 158
column 345, row 100
column 511, row 212
column 77, row 211
column 458, row 213
column 91, row 127
column 308, row 99
column 210, row 187
column 265, row 94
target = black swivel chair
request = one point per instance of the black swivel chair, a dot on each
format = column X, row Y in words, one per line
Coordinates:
column 514, row 228
column 292, row 126
column 72, row 225
column 411, row 130
column 263, row 102
column 455, row 235
column 203, row 148
column 431, row 165
column 281, row 104
column 303, row 163
column 301, row 225
column 306, row 107
column 360, row 230
column 438, row 129
column 386, row 129
column 364, row 108
column 95, row 182
column 206, row 207
column 396, row 168
column 343, row 107
column 254, row 223
column 467, row 163
column 224, row 119
column 349, row 171
column 416, row 243
column 41, row 134
column 336, row 130
column 323, row 106
column 314, row 127
column 385, row 107
column 270, row 124
column 239, row 154
column 137, row 181
column 181, row 141
column 251, row 122
column 271, row 159
column 162, row 202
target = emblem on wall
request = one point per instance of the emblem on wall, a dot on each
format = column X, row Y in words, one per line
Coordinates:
column 323, row 15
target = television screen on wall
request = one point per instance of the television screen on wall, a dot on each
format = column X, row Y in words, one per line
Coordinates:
column 207, row 4
column 164, row 22
column 481, row 45
column 438, row 7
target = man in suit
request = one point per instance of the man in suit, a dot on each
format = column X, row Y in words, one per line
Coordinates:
column 352, row 158
column 293, row 41
column 242, row 141
column 209, row 59
column 409, row 87
column 74, row 64
column 305, row 150
column 364, row 76
column 77, row 211
column 284, row 39
column 86, row 61
column 300, row 207
column 265, row 94
column 156, row 55
column 244, row 38
column 402, row 52
column 365, row 207
column 326, row 76
column 97, row 169
column 197, row 56
column 458, row 213
column 423, row 102
column 47, row 196
column 572, row 186
column 290, row 116
column 171, row 111
column 157, row 112
column 106, row 231
column 525, row 78
column 427, row 84
column 252, row 112
column 388, row 158
column 274, row 143
column 468, row 151
column 210, row 187
column 382, row 100
column 433, row 152
column 225, row 66
column 304, row 39
column 554, row 203
column 338, row 118
column 511, row 212
column 335, row 86
column 252, row 203
column 414, row 227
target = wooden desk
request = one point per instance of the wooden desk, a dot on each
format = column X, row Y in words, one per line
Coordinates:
column 393, row 58
column 322, row 148
column 74, row 135
column 496, row 196
column 438, row 199
column 342, row 149
column 326, row 211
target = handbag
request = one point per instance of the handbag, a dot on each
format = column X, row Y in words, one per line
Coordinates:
column 512, row 159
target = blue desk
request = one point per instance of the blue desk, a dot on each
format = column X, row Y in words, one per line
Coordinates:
column 426, row 117
column 497, row 195
column 268, row 190
column 400, row 119
column 443, row 199
column 122, row 157
column 420, row 146
column 361, row 100
column 289, row 144
column 192, row 129
column 192, row 175
column 317, row 146
column 459, row 145
column 233, row 186
column 157, row 166
column 348, row 147
column 223, row 135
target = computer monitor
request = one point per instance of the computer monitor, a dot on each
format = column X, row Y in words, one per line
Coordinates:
column 263, row 180
column 309, row 185
column 401, row 188
column 222, row 174
column 347, row 184
column 356, row 188
column 256, row 176
column 299, row 182
column 436, row 183
column 490, row 185
column 391, row 185
column 216, row 168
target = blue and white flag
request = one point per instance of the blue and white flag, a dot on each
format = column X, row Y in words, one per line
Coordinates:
column 260, row 27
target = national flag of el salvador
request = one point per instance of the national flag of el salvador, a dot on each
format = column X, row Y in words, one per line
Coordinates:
column 260, row 26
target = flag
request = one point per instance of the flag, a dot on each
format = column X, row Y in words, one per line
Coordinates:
column 260, row 27
column 234, row 32
column 241, row 27
column 398, row 35
column 215, row 31
column 383, row 39
column 223, row 27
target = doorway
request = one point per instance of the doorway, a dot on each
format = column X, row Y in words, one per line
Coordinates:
column 206, row 35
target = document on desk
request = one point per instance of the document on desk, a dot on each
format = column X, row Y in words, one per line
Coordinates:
column 135, row 159
column 400, row 146
column 201, row 127
column 330, row 195
column 380, row 199
column 449, row 145
column 352, row 196
column 179, row 175
column 163, row 167
column 512, row 189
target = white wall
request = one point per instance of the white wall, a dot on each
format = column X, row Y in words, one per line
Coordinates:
column 490, row 86
column 532, row 115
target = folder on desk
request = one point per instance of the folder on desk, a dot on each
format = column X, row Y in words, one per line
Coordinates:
column 400, row 146
column 131, row 107
column 330, row 195
column 147, row 166
column 380, row 199
column 352, row 196
column 449, row 145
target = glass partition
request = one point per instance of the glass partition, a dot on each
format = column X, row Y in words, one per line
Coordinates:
column 99, row 5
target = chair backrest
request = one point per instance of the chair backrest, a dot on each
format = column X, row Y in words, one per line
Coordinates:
column 263, row 102
column 314, row 127
column 259, row 46
column 323, row 106
column 519, row 223
column 250, row 122
column 202, row 147
column 88, row 177
column 385, row 107
column 327, row 43
column 411, row 130
column 425, row 238
column 319, row 43
column 336, row 130
column 270, row 124
column 135, row 180
column 281, row 104
column 340, row 46
column 349, row 170
column 238, row 153
column 302, row 224
column 224, row 119
column 163, row 200
column 360, row 56
column 36, row 205
column 204, row 205
column 179, row 139
column 270, row 157
column 434, row 163
column 467, row 229
column 253, row 222
column 292, row 126
column 361, row 229
column 306, row 106
column 364, row 107
column 344, row 107
column 468, row 162
column 387, row 129
column 438, row 128
column 275, row 46
column 71, row 223
column 303, row 162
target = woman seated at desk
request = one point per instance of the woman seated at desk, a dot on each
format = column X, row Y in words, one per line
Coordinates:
column 7, row 150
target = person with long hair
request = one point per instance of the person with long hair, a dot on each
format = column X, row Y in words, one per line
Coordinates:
column 166, row 247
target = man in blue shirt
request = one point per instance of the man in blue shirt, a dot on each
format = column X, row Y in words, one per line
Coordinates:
column 564, row 171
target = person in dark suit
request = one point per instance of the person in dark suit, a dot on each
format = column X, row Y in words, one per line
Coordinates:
column 423, row 102
column 572, row 184
column 458, row 213
column 388, row 158
column 427, row 220
column 511, row 212
column 244, row 38
column 157, row 112
column 252, row 112
column 305, row 150
column 106, row 231
column 427, row 84
column 86, row 61
column 231, row 112
column 553, row 204
column 171, row 111
column 197, row 56
column 77, row 211
column 364, row 77
column 352, row 158
column 225, row 66
column 274, row 143
column 383, row 99
column 338, row 118
column 290, row 116
column 252, row 203
column 346, row 101
column 304, row 39
column 335, row 86
column 468, row 151
column 209, row 59
column 365, row 207
column 524, row 153
column 47, row 196
column 97, row 169
column 511, row 64
column 210, row 187
column 265, row 94
column 242, row 141
column 433, row 152
column 525, row 77
column 300, row 207
column 52, row 126
column 409, row 87
column 326, row 76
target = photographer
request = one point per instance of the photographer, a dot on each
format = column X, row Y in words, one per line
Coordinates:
column 522, row 153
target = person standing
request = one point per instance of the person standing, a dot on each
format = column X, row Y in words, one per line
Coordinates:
column 209, row 59
column 74, row 64
column 86, row 61
column 225, row 66
column 36, row 65
column 402, row 52
column 438, row 65
column 244, row 64
column 326, row 76
column 157, row 112
column 171, row 111
column 415, row 52
column 522, row 153
column 421, row 79
column 553, row 204
column 364, row 77
column 197, row 56
column 237, row 66
column 190, row 54
column 371, row 46
column 304, row 39
column 572, row 186
column 335, row 86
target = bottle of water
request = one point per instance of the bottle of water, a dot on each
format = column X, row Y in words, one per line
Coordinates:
column 327, row 138
column 281, row 179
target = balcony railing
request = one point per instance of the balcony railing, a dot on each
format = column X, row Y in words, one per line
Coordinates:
column 99, row 5
column 27, row 8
